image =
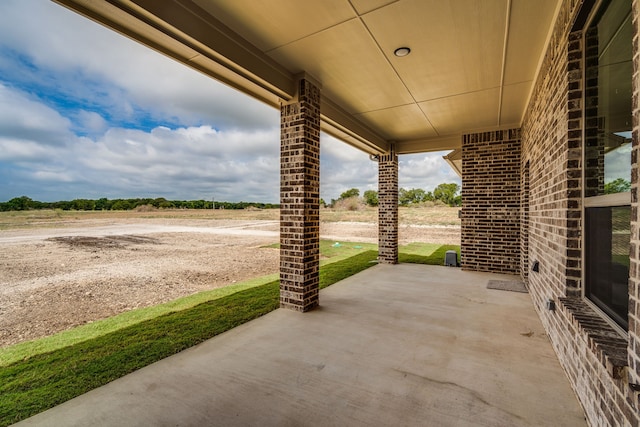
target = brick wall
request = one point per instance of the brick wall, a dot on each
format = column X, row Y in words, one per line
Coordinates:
column 300, row 199
column 491, row 182
column 552, row 138
column 388, row 208
column 593, row 142
column 591, row 352
column 634, row 271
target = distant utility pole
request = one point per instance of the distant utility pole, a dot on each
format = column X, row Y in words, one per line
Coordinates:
column 213, row 203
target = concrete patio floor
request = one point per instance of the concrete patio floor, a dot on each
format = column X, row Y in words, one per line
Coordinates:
column 396, row 345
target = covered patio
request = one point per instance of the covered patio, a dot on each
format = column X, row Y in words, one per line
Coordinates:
column 398, row 344
column 510, row 87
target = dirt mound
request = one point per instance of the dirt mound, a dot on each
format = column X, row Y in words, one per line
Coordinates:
column 145, row 208
column 108, row 242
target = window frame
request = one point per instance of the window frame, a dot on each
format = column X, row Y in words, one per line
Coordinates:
column 605, row 200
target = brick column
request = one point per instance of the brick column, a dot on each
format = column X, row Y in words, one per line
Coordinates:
column 491, row 201
column 388, row 208
column 300, row 199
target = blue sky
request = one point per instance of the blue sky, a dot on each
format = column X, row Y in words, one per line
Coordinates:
column 87, row 113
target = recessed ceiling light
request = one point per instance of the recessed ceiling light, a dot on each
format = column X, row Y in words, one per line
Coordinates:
column 402, row 51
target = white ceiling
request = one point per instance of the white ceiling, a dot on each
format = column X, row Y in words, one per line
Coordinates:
column 471, row 67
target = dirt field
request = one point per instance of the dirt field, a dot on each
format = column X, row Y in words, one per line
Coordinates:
column 59, row 270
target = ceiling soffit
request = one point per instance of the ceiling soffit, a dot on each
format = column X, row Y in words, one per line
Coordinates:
column 270, row 24
column 349, row 65
column 471, row 67
column 405, row 122
column 450, row 41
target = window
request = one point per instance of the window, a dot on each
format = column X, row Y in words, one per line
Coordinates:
column 607, row 259
column 607, row 158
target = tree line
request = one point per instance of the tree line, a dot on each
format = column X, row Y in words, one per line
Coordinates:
column 446, row 193
column 25, row 203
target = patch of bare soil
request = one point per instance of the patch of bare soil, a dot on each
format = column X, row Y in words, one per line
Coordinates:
column 52, row 279
column 368, row 233
column 54, row 284
column 102, row 242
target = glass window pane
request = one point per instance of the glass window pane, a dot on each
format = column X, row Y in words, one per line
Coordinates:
column 608, row 99
column 607, row 260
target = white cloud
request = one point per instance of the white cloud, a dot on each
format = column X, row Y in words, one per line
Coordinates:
column 91, row 121
column 617, row 163
column 20, row 151
column 185, row 163
column 189, row 162
column 49, row 34
column 343, row 167
column 425, row 171
column 53, row 176
column 24, row 118
column 217, row 142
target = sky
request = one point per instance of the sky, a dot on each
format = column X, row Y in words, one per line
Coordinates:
column 88, row 113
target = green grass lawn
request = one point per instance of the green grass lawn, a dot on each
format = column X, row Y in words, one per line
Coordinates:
column 38, row 375
column 425, row 253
